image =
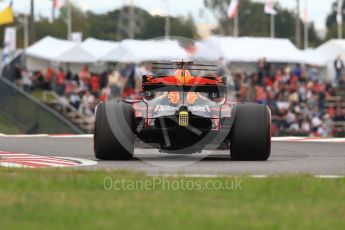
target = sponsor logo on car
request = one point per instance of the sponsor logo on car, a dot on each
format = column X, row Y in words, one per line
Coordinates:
column 192, row 108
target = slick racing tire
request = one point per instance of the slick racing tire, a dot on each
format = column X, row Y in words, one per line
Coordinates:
column 251, row 134
column 113, row 135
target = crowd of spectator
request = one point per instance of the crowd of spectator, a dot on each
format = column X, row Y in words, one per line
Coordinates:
column 296, row 96
column 83, row 90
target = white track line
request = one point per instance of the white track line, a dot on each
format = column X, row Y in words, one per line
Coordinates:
column 287, row 138
column 72, row 136
column 327, row 140
column 30, row 136
column 308, row 139
column 47, row 135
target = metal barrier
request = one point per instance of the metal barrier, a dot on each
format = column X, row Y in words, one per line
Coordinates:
column 31, row 115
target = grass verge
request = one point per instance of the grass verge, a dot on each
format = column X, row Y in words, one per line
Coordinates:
column 7, row 127
column 66, row 199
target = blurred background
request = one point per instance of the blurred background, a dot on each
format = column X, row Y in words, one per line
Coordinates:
column 59, row 58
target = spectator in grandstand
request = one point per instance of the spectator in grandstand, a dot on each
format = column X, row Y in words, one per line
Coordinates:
column 76, row 80
column 60, row 81
column 49, row 78
column 260, row 94
column 38, row 80
column 18, row 75
column 27, row 80
column 74, row 99
column 70, row 85
column 128, row 73
column 313, row 74
column 69, row 75
column 95, row 84
column 339, row 113
column 103, row 79
column 338, row 66
column 260, row 71
column 63, row 102
column 85, row 77
column 267, row 67
column 316, row 124
column 305, row 126
column 115, row 82
column 298, row 71
column 87, row 104
column 297, row 102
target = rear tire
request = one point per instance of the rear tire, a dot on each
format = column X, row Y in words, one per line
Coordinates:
column 115, row 141
column 251, row 134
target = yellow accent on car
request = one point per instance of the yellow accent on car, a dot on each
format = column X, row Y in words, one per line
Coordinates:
column 183, row 119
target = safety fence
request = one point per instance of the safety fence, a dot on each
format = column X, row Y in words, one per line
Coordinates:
column 29, row 114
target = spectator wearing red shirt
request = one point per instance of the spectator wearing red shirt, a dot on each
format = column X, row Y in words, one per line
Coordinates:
column 49, row 74
column 84, row 76
column 60, row 82
column 95, row 84
column 50, row 78
column 268, row 81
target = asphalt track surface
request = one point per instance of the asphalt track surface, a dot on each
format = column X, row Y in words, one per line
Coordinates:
column 286, row 158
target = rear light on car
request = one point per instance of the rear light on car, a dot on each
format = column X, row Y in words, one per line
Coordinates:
column 183, row 119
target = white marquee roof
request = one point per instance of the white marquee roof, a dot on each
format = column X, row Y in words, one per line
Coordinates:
column 59, row 50
column 243, row 49
column 99, row 48
column 250, row 49
column 331, row 49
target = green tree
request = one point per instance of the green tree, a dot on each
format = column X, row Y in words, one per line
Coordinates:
column 254, row 22
column 58, row 27
column 105, row 26
column 154, row 27
column 331, row 22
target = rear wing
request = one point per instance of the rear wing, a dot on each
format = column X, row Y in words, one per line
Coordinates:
column 183, row 81
column 185, row 65
column 184, row 84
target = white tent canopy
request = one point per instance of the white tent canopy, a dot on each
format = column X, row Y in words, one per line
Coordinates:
column 249, row 49
column 150, row 50
column 329, row 51
column 98, row 48
column 76, row 55
column 310, row 56
column 49, row 48
column 243, row 50
column 58, row 50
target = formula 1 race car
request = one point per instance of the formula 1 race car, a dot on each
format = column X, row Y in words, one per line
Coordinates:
column 183, row 113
